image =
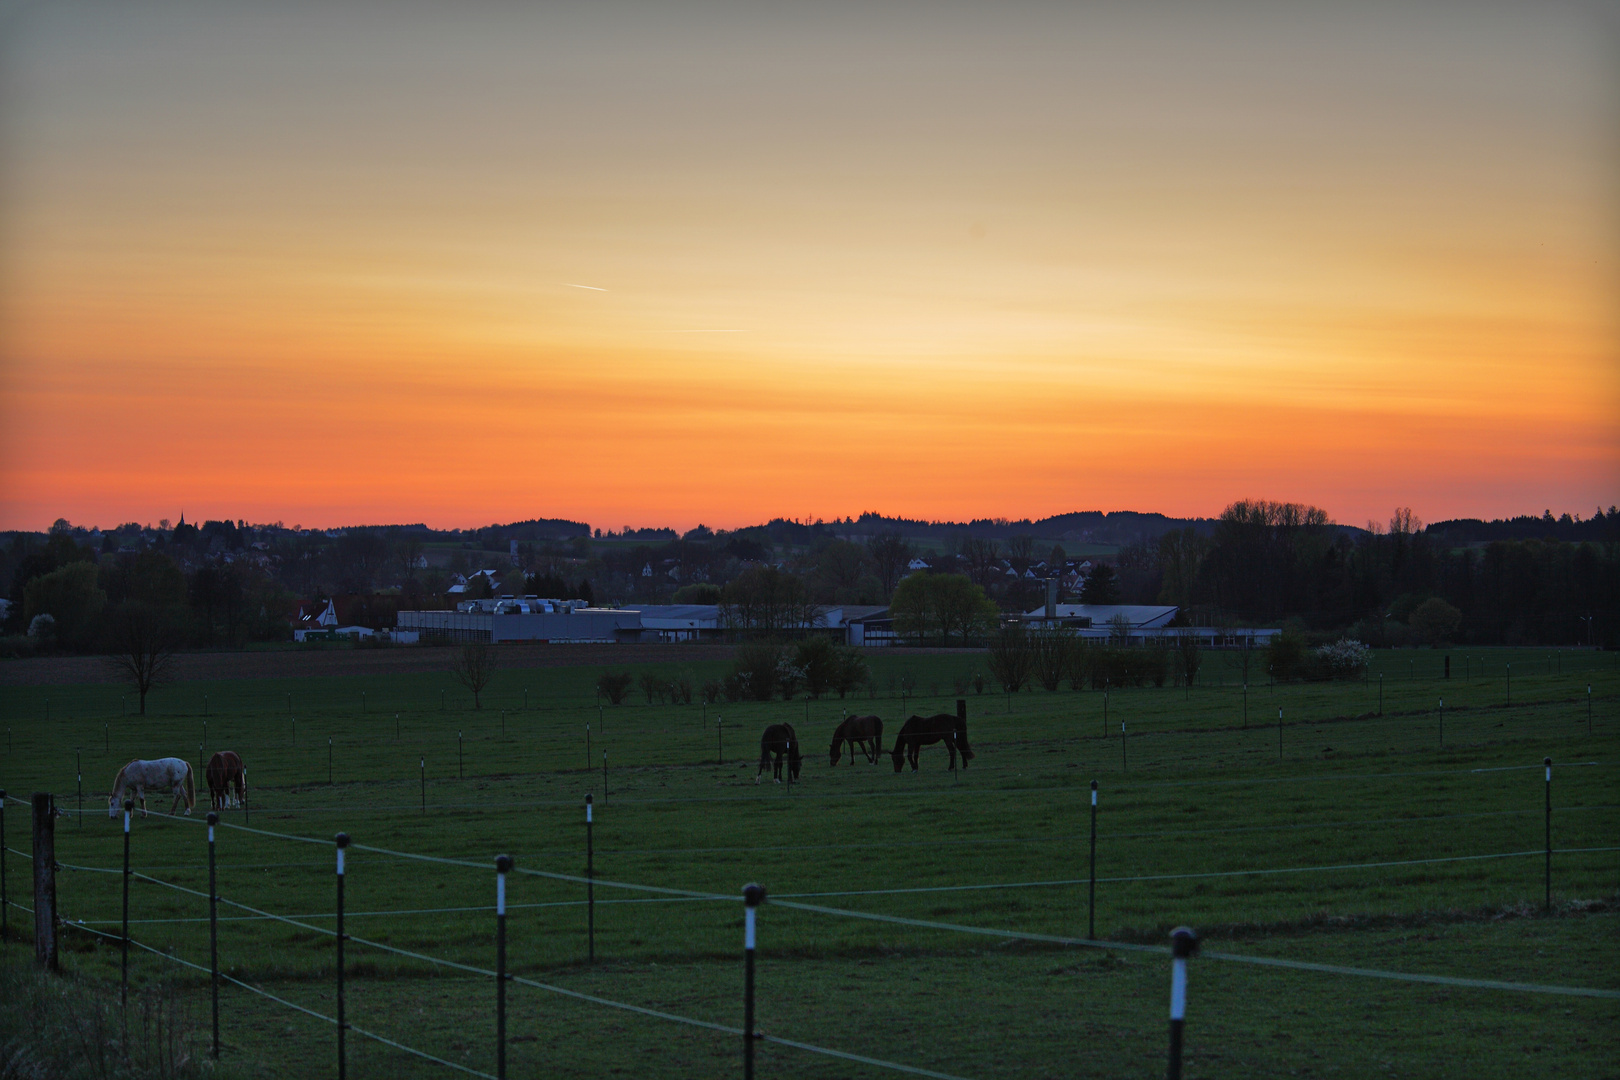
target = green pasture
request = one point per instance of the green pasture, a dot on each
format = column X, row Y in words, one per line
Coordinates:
column 1315, row 840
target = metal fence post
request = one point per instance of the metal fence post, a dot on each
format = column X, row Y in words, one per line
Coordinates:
column 1091, row 901
column 1547, row 901
column 460, row 774
column 503, row 866
column 590, row 884
column 1124, row 759
column 720, row 737
column 1279, row 735
column 246, row 817
column 342, row 1025
column 1589, row 710
column 1442, row 721
column 1183, row 943
column 78, row 786
column 213, row 929
column 421, row 764
column 123, row 992
column 753, row 896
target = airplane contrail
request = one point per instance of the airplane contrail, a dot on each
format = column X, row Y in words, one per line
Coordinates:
column 593, row 288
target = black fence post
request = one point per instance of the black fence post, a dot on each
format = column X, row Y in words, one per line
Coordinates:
column 503, row 866
column 590, row 884
column 1124, row 760
column 78, row 786
column 753, row 896
column 421, row 765
column 5, row 898
column 1442, row 721
column 247, row 818
column 1091, row 900
column 213, row 930
column 720, row 737
column 1279, row 735
column 342, row 1024
column 123, row 991
column 460, row 775
column 588, row 757
column 1547, row 901
column 1510, row 684
column 1105, row 714
column 1183, row 943
column 604, row 776
column 1380, row 693
column 1589, row 710
column 329, row 761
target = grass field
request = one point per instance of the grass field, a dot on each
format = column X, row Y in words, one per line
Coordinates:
column 1317, row 840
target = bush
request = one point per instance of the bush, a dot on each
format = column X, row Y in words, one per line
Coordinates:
column 713, row 691
column 754, row 671
column 654, row 686
column 1286, row 655
column 680, row 688
column 851, row 672
column 818, row 658
column 614, row 685
column 1344, row 659
column 1012, row 657
column 1434, row 621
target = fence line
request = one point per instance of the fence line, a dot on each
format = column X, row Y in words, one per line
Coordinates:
column 787, row 902
column 1124, row 783
column 677, row 895
column 1300, row 965
column 474, row 970
column 289, row 1004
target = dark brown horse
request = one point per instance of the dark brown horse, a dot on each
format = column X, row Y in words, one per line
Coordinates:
column 865, row 732
column 782, row 741
column 224, row 772
column 919, row 731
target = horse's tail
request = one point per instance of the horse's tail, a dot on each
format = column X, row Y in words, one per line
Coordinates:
column 191, row 789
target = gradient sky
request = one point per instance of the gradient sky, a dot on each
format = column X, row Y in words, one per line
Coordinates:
column 667, row 263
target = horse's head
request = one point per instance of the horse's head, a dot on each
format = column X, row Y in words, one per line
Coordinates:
column 112, row 806
column 899, row 754
column 837, row 747
column 795, row 759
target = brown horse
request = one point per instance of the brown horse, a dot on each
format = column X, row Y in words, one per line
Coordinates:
column 865, row 732
column 780, row 740
column 225, row 771
column 919, row 731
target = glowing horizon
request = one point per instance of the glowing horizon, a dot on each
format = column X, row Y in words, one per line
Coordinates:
column 642, row 265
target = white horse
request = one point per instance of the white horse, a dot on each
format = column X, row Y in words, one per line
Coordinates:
column 170, row 773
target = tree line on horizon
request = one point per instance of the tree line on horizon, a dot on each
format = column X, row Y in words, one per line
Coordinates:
column 222, row 584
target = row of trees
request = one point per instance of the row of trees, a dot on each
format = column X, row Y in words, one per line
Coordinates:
column 761, row 670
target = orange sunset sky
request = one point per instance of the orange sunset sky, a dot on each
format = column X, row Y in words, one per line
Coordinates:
column 667, row 263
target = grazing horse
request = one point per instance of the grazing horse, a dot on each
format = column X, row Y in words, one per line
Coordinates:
column 919, row 731
column 163, row 774
column 224, row 771
column 865, row 732
column 781, row 740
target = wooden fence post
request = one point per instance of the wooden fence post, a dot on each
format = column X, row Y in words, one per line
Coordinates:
column 45, row 881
